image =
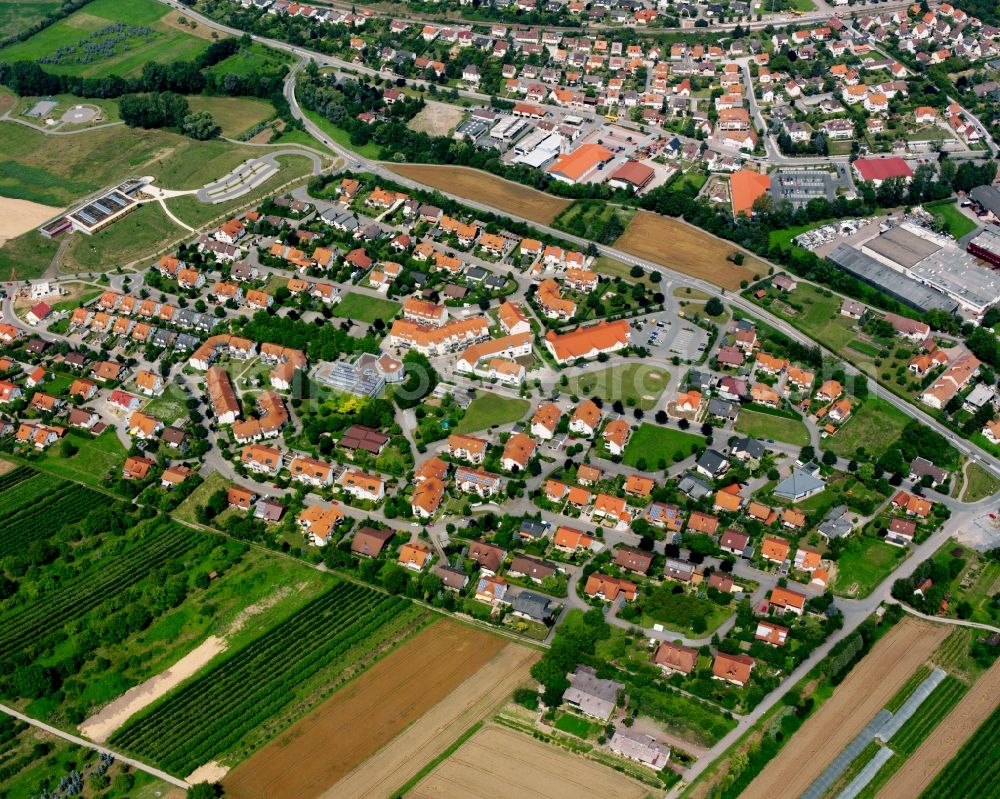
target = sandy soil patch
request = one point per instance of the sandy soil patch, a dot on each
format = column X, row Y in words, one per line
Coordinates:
column 687, row 249
column 100, row 726
column 7, row 466
column 210, row 772
column 20, row 216
column 504, row 764
column 437, row 119
column 871, row 683
column 366, row 714
column 7, row 102
column 425, row 739
column 173, row 20
column 259, row 607
column 472, row 184
column 946, row 739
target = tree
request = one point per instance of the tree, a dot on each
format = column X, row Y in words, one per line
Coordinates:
column 829, row 457
column 714, row 307
column 204, row 790
column 32, row 681
column 201, row 126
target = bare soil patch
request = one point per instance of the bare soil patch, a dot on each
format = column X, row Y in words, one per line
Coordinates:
column 100, row 726
column 7, row 466
column 684, row 248
column 356, row 721
column 472, row 184
column 475, row 699
column 210, row 772
column 437, row 119
column 20, row 216
column 504, row 764
column 173, row 20
column 73, row 291
column 946, row 739
column 872, row 683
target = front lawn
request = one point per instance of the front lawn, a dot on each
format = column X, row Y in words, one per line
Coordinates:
column 865, row 562
column 635, row 384
column 768, row 426
column 875, row 426
column 489, row 409
column 652, row 444
column 363, row 308
column 574, row 725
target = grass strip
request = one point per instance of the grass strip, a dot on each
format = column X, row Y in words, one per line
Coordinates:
column 410, row 784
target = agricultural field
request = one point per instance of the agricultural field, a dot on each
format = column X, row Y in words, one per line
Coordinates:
column 769, row 426
column 362, row 308
column 86, row 43
column 505, row 764
column 242, row 701
column 686, row 249
column 869, row 686
column 25, row 515
column 489, row 409
column 340, row 735
column 634, row 384
column 653, row 444
column 19, row 15
column 950, row 762
column 235, row 115
column 875, row 426
column 472, row 184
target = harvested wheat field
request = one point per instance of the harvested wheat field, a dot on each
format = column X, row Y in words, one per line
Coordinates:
column 503, row 764
column 20, row 216
column 366, row 714
column 684, row 248
column 472, row 184
column 472, row 701
column 871, row 683
column 946, row 739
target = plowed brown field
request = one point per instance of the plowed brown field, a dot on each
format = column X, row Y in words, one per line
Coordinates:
column 684, row 248
column 872, row 683
column 473, row 184
column 946, row 739
column 363, row 716
column 503, row 764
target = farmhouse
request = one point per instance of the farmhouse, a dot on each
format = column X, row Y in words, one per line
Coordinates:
column 675, row 658
column 591, row 695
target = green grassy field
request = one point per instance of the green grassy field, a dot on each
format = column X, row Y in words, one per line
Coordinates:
column 341, row 137
column 19, row 15
column 167, row 42
column 169, row 406
column 364, row 308
column 574, row 725
column 91, row 464
column 27, row 257
column 635, row 384
column 235, row 115
column 865, row 562
column 981, row 484
column 186, row 510
column 488, row 409
column 764, row 425
column 876, row 426
column 819, row 315
column 951, row 216
column 255, row 58
column 135, row 237
column 652, row 444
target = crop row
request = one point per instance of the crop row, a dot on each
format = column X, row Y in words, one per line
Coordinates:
column 972, row 772
column 66, row 505
column 16, row 476
column 28, row 625
column 212, row 713
column 25, row 492
column 934, row 708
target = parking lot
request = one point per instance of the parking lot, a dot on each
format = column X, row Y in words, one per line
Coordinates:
column 671, row 337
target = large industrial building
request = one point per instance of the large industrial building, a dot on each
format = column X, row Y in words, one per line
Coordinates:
column 923, row 269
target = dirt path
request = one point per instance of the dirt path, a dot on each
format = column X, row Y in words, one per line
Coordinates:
column 100, row 726
column 946, row 739
column 367, row 713
column 503, row 764
column 870, row 685
column 405, row 755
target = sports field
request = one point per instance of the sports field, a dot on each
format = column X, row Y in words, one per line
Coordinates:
column 636, row 382
column 684, row 248
column 311, row 758
column 68, row 46
column 867, row 689
column 472, row 184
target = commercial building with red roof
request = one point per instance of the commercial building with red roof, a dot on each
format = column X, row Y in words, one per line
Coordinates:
column 745, row 187
column 878, row 169
column 575, row 166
